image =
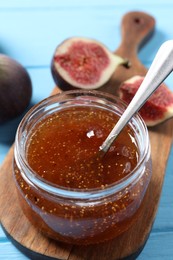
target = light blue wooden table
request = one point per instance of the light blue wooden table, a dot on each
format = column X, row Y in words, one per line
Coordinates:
column 29, row 32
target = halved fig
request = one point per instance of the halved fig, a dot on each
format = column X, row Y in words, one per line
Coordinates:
column 83, row 63
column 159, row 106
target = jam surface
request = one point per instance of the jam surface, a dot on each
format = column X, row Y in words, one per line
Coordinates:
column 64, row 149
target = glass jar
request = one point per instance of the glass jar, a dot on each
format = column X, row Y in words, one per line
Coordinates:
column 81, row 216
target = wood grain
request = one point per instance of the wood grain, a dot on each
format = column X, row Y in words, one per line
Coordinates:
column 136, row 26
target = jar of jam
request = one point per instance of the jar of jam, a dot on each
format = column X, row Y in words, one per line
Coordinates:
column 66, row 189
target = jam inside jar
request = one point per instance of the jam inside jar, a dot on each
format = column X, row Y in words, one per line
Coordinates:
column 65, row 188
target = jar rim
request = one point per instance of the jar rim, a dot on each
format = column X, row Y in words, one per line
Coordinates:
column 37, row 181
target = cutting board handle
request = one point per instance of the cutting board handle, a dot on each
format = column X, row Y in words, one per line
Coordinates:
column 135, row 28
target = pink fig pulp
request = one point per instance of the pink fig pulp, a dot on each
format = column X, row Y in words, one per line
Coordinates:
column 158, row 107
column 83, row 63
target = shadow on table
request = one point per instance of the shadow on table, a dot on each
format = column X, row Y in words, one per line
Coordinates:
column 8, row 129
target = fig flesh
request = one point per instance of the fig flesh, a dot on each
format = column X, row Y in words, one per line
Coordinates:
column 158, row 108
column 83, row 63
column 15, row 88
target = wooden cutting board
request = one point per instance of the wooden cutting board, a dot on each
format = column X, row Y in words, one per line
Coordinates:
column 136, row 27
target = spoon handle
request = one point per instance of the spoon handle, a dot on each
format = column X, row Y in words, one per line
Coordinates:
column 161, row 67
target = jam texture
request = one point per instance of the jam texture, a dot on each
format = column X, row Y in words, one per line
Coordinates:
column 62, row 149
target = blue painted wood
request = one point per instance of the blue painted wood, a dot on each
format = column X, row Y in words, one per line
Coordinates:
column 31, row 30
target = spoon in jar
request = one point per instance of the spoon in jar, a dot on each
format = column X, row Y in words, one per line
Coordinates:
column 161, row 67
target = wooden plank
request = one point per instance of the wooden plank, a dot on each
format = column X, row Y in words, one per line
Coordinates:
column 10, row 252
column 17, row 30
column 27, row 238
column 160, row 247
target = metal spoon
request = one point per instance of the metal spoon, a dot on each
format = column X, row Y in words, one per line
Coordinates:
column 161, row 67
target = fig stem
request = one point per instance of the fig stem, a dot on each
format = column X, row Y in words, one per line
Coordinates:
column 160, row 68
column 127, row 63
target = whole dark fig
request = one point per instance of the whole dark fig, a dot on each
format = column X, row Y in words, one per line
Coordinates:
column 83, row 63
column 15, row 88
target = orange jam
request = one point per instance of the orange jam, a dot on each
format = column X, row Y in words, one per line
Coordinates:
column 83, row 198
column 64, row 149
